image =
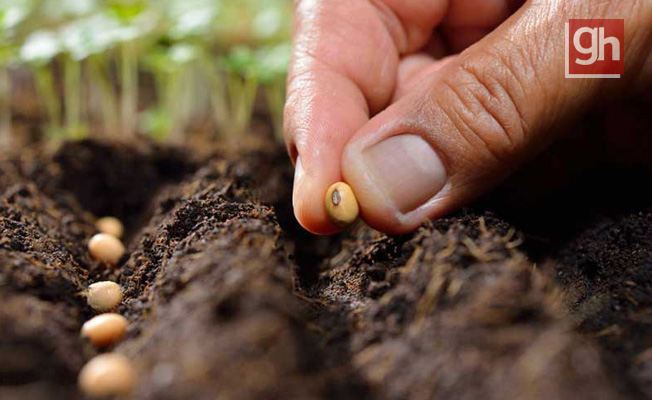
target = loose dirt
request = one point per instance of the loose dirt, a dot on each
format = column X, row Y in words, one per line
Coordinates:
column 228, row 298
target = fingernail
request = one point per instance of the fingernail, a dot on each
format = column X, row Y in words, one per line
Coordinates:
column 298, row 177
column 406, row 169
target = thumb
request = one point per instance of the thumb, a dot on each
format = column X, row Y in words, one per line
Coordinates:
column 465, row 127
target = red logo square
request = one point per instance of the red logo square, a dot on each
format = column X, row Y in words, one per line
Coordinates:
column 595, row 48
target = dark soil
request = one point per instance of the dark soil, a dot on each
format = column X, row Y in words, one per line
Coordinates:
column 228, row 298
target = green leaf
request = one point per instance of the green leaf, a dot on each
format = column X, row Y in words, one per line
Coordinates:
column 272, row 62
column 183, row 53
column 191, row 17
column 91, row 35
column 60, row 10
column 98, row 33
column 267, row 23
column 126, row 10
column 240, row 60
column 13, row 12
column 158, row 60
column 40, row 47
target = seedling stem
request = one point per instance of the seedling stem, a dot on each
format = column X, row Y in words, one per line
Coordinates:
column 73, row 92
column 45, row 87
column 5, row 107
column 129, row 72
column 102, row 84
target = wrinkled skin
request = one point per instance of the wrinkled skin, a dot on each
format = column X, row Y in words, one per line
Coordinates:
column 472, row 89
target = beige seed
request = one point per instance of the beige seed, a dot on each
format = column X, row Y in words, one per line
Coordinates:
column 105, row 329
column 108, row 374
column 106, row 248
column 111, row 226
column 104, row 296
column 341, row 204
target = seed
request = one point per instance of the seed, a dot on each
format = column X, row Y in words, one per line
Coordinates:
column 111, row 226
column 341, row 204
column 108, row 374
column 104, row 296
column 106, row 248
column 105, row 329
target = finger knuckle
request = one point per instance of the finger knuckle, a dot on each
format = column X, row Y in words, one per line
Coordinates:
column 485, row 107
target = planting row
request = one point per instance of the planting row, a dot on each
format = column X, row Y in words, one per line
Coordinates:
column 106, row 374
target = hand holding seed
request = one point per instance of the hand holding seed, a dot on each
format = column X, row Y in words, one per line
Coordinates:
column 435, row 102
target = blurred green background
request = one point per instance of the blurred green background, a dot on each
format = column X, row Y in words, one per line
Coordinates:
column 164, row 68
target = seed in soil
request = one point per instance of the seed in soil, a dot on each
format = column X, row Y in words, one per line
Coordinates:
column 341, row 204
column 108, row 374
column 105, row 329
column 106, row 248
column 111, row 226
column 104, row 296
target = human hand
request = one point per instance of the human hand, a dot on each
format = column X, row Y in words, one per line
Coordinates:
column 370, row 103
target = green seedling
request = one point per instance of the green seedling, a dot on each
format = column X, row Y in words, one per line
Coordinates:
column 133, row 19
column 12, row 14
column 172, row 68
column 208, row 59
column 272, row 64
column 78, row 44
column 91, row 41
column 242, row 85
column 191, row 19
column 234, row 86
column 38, row 51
